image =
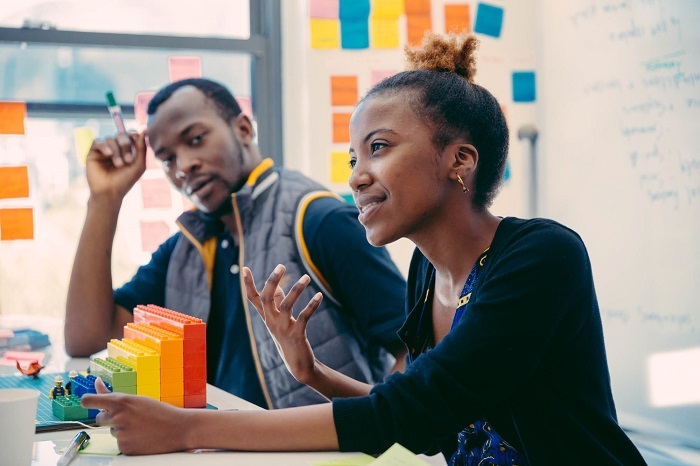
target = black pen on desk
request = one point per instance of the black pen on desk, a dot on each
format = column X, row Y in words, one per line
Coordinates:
column 78, row 443
column 116, row 111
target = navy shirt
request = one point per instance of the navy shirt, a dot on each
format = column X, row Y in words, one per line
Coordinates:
column 337, row 245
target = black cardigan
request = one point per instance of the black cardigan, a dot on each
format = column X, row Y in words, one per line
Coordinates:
column 527, row 355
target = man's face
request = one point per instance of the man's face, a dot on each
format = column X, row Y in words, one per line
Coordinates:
column 200, row 151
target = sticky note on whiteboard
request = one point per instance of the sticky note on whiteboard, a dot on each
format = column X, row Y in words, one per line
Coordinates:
column 325, row 33
column 524, row 86
column 341, row 127
column 14, row 182
column 489, row 20
column 327, row 9
column 340, row 167
column 343, row 90
column 184, row 67
column 12, row 115
column 16, row 224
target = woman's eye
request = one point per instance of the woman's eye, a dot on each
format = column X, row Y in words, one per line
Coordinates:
column 352, row 163
column 375, row 146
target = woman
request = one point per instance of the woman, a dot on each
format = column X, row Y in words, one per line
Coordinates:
column 506, row 355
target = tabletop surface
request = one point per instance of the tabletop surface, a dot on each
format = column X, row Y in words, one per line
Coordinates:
column 49, row 445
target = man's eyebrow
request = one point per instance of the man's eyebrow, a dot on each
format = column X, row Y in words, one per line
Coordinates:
column 183, row 134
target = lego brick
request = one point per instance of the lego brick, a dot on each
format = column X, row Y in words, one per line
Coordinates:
column 171, row 375
column 195, row 401
column 178, row 401
column 69, row 409
column 151, row 391
column 147, row 378
column 167, row 344
column 195, row 373
column 182, row 324
column 198, row 358
column 194, row 345
column 138, row 356
column 171, row 389
column 195, row 387
column 113, row 371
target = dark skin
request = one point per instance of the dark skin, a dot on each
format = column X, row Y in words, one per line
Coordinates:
column 205, row 157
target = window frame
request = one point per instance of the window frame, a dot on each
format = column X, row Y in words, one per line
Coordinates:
column 263, row 46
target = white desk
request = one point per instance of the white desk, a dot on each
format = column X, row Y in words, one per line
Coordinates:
column 47, row 445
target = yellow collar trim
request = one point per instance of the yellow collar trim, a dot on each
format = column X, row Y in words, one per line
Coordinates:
column 259, row 170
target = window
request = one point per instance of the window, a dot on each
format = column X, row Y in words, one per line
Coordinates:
column 60, row 57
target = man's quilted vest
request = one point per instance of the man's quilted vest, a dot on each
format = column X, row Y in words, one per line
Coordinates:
column 270, row 215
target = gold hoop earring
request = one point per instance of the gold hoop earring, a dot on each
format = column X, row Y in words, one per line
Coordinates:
column 464, row 188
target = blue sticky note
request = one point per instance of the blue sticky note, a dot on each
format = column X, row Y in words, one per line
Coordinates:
column 489, row 20
column 348, row 198
column 354, row 33
column 354, row 9
column 524, row 86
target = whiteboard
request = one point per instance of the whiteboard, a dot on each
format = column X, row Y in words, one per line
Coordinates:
column 619, row 162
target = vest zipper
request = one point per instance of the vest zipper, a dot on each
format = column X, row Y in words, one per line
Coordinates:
column 244, row 298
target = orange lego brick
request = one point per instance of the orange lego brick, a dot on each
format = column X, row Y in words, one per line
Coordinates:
column 190, row 327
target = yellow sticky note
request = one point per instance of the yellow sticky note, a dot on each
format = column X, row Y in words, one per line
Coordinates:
column 101, row 444
column 340, row 167
column 384, row 33
column 16, row 224
column 457, row 18
column 361, row 460
column 344, row 90
column 325, row 33
column 14, row 182
column 387, row 9
column 398, row 455
column 12, row 115
column 83, row 138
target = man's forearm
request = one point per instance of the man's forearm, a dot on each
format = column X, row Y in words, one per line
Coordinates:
column 90, row 311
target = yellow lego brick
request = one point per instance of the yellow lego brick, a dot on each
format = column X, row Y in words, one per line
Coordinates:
column 142, row 357
column 147, row 378
column 151, row 391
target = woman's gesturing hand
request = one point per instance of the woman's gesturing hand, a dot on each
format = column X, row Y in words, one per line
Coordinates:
column 288, row 332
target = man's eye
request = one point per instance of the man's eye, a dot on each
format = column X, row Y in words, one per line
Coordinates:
column 196, row 140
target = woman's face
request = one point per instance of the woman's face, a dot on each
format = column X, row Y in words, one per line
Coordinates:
column 399, row 181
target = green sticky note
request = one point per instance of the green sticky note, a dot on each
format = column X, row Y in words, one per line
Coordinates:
column 362, row 460
column 397, row 455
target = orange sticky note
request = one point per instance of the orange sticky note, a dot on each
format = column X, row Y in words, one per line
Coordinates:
column 156, row 194
column 16, row 224
column 343, row 90
column 12, row 115
column 14, row 182
column 417, row 7
column 341, row 127
column 184, row 67
column 457, row 18
column 416, row 27
column 153, row 234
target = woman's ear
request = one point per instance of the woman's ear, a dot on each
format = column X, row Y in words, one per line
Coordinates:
column 466, row 158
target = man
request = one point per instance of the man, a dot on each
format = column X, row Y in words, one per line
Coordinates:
column 247, row 213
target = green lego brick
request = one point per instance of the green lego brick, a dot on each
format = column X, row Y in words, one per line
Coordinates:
column 68, row 408
column 115, row 372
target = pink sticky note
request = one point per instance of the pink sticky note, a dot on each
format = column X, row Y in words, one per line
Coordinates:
column 246, row 105
column 141, row 106
column 184, row 67
column 153, row 234
column 327, row 9
column 156, row 194
column 378, row 75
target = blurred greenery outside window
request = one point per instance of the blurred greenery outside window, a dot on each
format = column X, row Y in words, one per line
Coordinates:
column 60, row 57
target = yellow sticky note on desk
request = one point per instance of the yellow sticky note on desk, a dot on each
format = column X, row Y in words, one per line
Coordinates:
column 361, row 460
column 398, row 455
column 101, row 444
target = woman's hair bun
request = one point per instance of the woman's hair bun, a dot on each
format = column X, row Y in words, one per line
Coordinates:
column 453, row 53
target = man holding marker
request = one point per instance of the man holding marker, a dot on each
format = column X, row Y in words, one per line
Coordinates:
column 248, row 213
